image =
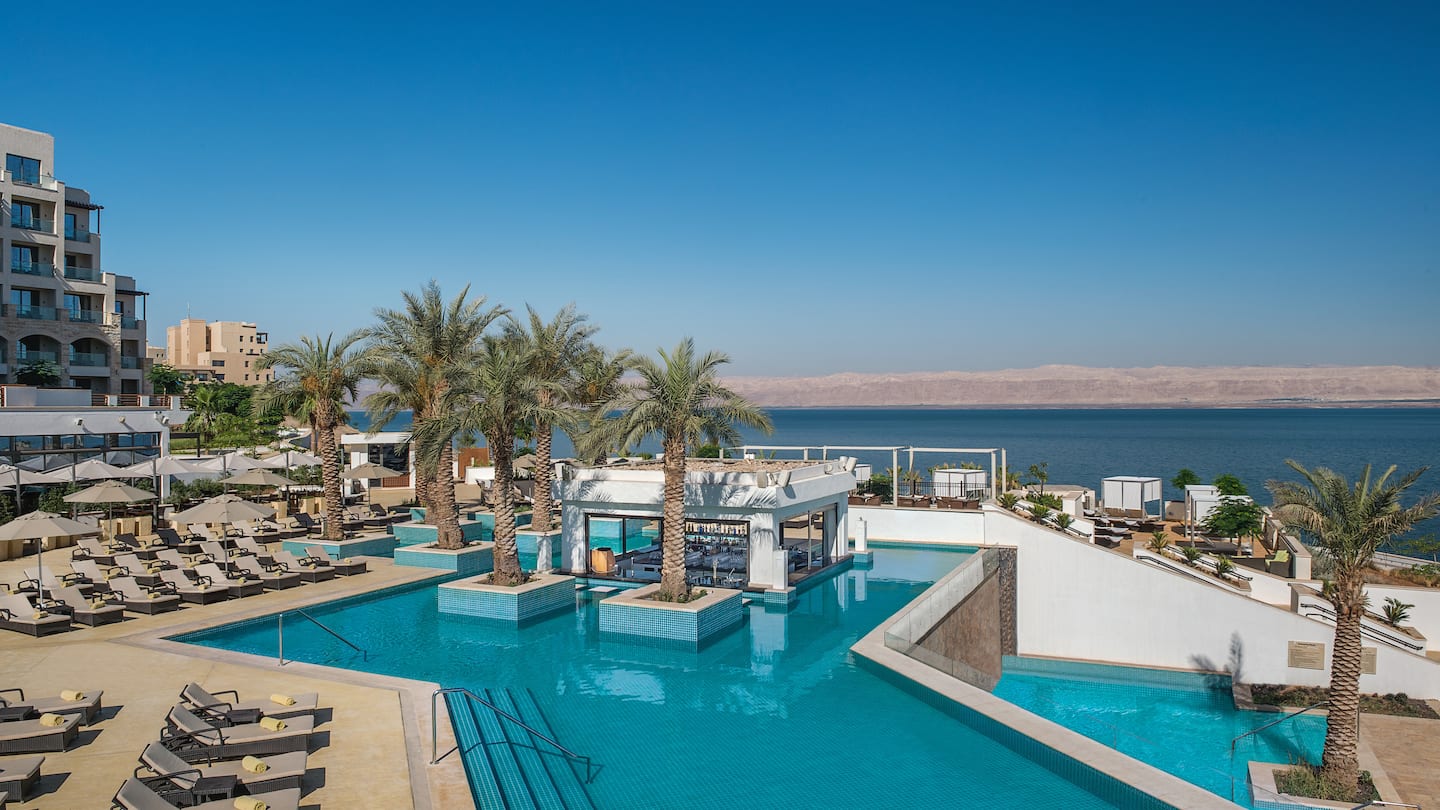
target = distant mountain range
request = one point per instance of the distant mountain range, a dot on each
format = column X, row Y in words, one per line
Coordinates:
column 1079, row 386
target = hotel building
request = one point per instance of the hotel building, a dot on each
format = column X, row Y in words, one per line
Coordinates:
column 219, row 351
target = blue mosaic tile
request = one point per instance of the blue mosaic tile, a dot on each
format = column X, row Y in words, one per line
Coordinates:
column 475, row 561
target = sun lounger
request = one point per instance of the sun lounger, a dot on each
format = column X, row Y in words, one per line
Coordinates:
column 198, row 591
column 172, row 539
column 305, row 522
column 146, row 572
column 179, row 561
column 344, row 568
column 86, row 703
column 135, row 794
column 145, row 600
column 248, row 545
column 236, row 586
column 19, row 614
column 206, row 703
column 90, row 548
column 192, row 739
column 35, row 736
column 51, row 580
column 280, row 771
column 91, row 611
column 310, row 569
column 217, row 552
column 97, row 574
column 19, row 776
column 144, row 550
column 273, row 577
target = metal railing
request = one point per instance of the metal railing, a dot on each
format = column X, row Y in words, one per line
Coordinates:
column 534, row 732
column 28, row 223
column 34, row 312
column 84, row 316
column 77, row 234
column 45, row 181
column 1379, row 803
column 280, row 628
column 33, row 268
column 88, row 359
column 1252, row 732
column 127, row 361
column 37, row 357
column 1377, row 635
column 81, row 273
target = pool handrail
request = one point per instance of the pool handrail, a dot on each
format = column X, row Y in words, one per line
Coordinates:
column 280, row 629
column 435, row 728
column 1259, row 729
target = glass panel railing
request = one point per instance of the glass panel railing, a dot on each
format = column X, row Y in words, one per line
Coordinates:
column 81, row 273
column 33, row 268
column 36, row 357
column 88, row 359
column 84, row 316
column 127, row 322
column 30, row 223
column 34, row 313
column 129, row 362
column 34, row 180
column 77, row 235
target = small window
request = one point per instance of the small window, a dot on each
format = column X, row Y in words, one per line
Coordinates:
column 23, row 169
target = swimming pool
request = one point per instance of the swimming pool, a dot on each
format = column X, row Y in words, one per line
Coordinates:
column 775, row 713
column 1180, row 722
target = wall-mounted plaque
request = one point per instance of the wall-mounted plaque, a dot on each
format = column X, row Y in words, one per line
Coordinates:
column 1307, row 655
column 1367, row 660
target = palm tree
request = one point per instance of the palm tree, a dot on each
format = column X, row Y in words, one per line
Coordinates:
column 1346, row 524
column 205, row 411
column 597, row 381
column 323, row 374
column 418, row 353
column 553, row 351
column 680, row 399
column 498, row 394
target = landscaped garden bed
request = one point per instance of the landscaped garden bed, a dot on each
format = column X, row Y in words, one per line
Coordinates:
column 1401, row 705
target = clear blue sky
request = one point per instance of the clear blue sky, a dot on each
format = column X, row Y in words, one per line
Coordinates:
column 813, row 188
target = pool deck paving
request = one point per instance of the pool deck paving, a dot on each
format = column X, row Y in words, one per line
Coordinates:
column 1406, row 748
column 372, row 732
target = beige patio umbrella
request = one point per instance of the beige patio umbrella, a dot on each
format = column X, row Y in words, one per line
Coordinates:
column 19, row 477
column 368, row 471
column 258, row 478
column 110, row 492
column 223, row 509
column 39, row 526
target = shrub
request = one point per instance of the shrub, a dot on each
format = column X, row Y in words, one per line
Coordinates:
column 1159, row 541
column 1039, row 512
column 1224, row 566
column 1192, row 554
column 1008, row 500
column 1064, row 519
column 1396, row 612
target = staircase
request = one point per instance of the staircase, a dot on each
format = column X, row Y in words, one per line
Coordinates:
column 508, row 766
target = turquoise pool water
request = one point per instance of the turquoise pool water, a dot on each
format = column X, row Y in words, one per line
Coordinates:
column 776, row 713
column 1180, row 722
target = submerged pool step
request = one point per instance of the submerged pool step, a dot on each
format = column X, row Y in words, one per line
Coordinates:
column 508, row 768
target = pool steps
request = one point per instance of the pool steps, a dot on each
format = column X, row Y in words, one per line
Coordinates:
column 506, row 765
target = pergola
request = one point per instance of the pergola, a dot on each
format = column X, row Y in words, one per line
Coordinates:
column 1131, row 493
column 997, row 458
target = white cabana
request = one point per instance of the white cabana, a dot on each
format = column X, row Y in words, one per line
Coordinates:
column 1132, row 493
column 959, row 483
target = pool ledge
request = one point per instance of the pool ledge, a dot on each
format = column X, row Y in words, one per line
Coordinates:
column 1147, row 779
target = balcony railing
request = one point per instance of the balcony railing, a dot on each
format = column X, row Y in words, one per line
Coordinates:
column 34, row 313
column 127, row 322
column 36, row 357
column 29, row 223
column 85, row 316
column 89, row 359
column 129, row 362
column 82, row 273
column 33, row 268
column 44, row 181
column 77, row 234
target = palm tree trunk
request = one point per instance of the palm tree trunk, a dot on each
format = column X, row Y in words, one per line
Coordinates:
column 543, row 475
column 447, row 513
column 330, row 478
column 1340, row 762
column 673, row 584
column 424, row 488
column 507, row 554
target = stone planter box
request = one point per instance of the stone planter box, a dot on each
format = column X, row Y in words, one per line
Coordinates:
column 380, row 546
column 528, row 543
column 633, row 614
column 410, row 534
column 1264, row 795
column 476, row 558
column 541, row 596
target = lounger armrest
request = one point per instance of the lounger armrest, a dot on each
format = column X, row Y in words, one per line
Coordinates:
column 34, row 583
column 18, row 691
column 202, row 580
column 52, row 606
column 278, row 566
column 163, row 588
column 231, row 692
column 312, row 560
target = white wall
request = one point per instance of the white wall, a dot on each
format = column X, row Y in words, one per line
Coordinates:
column 920, row 525
column 1424, row 616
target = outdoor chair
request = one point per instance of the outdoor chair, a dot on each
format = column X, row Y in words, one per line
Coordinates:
column 209, row 705
column 50, row 579
column 273, row 577
column 141, row 794
column 145, row 551
column 146, row 573
column 172, row 539
column 310, row 569
column 19, row 776
column 90, row 548
column 145, row 600
column 237, row 586
column 198, row 591
column 344, row 568
column 18, row 614
column 305, row 522
column 38, row 735
column 98, row 575
column 279, row 772
column 249, row 546
column 87, row 610
column 193, row 739
column 85, row 703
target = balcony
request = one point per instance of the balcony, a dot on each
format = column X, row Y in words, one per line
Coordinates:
column 33, row 312
column 76, row 234
column 36, row 357
column 127, row 322
column 89, row 359
column 130, row 362
column 44, row 181
column 82, row 273
column 85, row 316
column 33, row 268
column 29, row 223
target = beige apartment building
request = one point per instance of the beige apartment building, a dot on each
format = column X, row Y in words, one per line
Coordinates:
column 56, row 303
column 220, row 351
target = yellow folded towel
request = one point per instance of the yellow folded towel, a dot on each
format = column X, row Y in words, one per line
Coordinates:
column 272, row 723
column 254, row 765
column 96, row 604
column 152, row 595
column 48, row 719
column 202, row 586
column 111, row 574
column 39, row 614
column 250, row 803
column 71, row 694
column 283, row 700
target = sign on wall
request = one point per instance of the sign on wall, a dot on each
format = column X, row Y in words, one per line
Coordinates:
column 1367, row 660
column 727, row 529
column 1307, row 655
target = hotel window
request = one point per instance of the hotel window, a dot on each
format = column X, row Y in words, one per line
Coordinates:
column 25, row 215
column 23, row 169
column 69, row 226
column 23, row 258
